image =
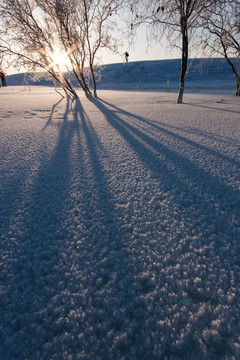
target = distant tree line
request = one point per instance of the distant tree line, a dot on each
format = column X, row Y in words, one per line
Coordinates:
column 32, row 30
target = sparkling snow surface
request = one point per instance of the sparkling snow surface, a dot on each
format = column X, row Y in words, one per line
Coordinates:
column 120, row 226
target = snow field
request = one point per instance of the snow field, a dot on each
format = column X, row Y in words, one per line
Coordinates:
column 119, row 226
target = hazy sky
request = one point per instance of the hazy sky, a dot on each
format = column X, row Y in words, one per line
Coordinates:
column 141, row 50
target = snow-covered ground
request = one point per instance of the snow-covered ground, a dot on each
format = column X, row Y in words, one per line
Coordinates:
column 120, row 226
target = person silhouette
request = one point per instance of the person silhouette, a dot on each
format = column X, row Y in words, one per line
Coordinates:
column 126, row 56
column 3, row 79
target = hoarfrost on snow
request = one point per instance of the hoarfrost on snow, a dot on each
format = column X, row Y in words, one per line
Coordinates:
column 119, row 226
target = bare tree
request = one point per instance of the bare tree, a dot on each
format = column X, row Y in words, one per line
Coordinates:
column 60, row 18
column 29, row 42
column 33, row 29
column 175, row 20
column 84, row 27
column 99, row 27
column 222, row 37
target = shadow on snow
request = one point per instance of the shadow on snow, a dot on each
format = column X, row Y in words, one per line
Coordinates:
column 71, row 286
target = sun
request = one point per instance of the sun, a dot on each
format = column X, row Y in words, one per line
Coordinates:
column 60, row 59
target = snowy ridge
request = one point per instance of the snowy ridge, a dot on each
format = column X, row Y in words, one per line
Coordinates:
column 161, row 75
column 120, row 226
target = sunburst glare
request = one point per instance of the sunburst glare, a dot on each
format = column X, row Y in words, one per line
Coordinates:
column 60, row 59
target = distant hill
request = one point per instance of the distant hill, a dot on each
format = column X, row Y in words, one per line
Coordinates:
column 160, row 74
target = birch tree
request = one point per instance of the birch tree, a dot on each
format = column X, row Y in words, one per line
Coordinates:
column 29, row 41
column 221, row 35
column 33, row 31
column 82, row 28
column 174, row 20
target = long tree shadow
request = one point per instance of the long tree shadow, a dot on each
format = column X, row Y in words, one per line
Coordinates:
column 205, row 134
column 78, row 282
column 52, row 113
column 162, row 128
column 213, row 108
column 205, row 209
column 108, row 275
column 33, row 255
column 68, row 284
column 10, row 200
column 135, row 135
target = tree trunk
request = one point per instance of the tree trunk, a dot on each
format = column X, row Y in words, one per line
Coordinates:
column 94, row 81
column 232, row 66
column 238, row 86
column 78, row 75
column 67, row 86
column 235, row 74
column 184, row 62
column 64, row 83
column 84, row 85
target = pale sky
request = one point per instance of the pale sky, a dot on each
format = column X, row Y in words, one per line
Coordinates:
column 140, row 51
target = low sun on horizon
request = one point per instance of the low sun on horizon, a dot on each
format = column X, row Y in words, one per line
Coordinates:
column 59, row 59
